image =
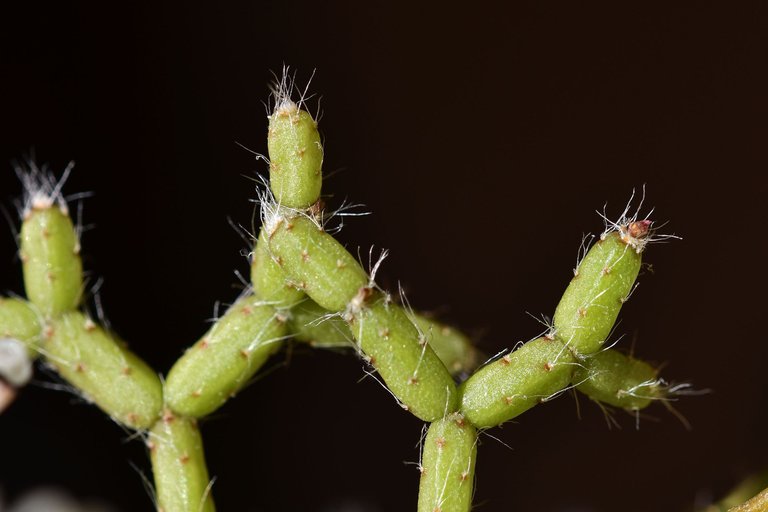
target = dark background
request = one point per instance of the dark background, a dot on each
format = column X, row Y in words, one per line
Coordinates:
column 483, row 138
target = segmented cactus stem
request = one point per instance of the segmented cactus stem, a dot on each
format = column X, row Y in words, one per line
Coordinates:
column 306, row 285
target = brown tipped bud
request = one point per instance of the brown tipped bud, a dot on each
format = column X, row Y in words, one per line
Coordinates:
column 639, row 229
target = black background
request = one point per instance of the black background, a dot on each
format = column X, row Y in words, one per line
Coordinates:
column 483, row 138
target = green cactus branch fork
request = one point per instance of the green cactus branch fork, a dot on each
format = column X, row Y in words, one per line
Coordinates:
column 306, row 287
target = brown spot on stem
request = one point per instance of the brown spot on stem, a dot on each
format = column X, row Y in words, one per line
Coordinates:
column 364, row 293
column 440, row 442
column 316, row 210
column 127, row 371
column 274, row 229
column 184, row 458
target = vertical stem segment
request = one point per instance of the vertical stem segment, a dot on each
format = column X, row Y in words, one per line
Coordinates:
column 448, row 466
column 296, row 156
column 178, row 463
column 50, row 256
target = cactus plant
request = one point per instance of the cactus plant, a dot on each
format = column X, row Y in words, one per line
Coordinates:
column 307, row 286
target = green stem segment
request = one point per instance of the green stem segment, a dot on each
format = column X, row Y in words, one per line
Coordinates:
column 21, row 321
column 601, row 284
column 104, row 370
column 296, row 156
column 315, row 262
column 310, row 323
column 268, row 279
column 178, row 463
column 453, row 348
column 225, row 358
column 448, row 466
column 511, row 385
column 619, row 380
column 404, row 359
column 50, row 256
